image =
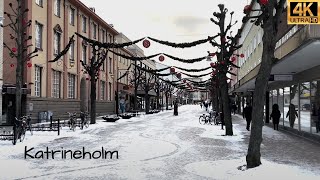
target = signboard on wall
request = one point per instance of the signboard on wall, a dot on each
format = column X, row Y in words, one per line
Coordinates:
column 281, row 77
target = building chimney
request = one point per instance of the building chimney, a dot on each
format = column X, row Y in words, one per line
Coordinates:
column 93, row 9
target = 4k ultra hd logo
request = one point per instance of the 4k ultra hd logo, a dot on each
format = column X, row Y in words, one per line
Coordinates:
column 303, row 11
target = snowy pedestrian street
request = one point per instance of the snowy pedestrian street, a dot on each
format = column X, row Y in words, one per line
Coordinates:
column 159, row 146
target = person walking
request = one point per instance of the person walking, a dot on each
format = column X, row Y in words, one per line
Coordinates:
column 292, row 113
column 201, row 105
column 318, row 121
column 247, row 114
column 275, row 115
column 234, row 108
column 175, row 108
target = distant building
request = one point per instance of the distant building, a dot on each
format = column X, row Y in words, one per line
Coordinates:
column 61, row 86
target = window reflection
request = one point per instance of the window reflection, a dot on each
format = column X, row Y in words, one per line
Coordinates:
column 305, row 106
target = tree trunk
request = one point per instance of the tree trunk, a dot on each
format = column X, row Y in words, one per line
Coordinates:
column 226, row 108
column 167, row 105
column 253, row 156
column 20, row 63
column 93, row 98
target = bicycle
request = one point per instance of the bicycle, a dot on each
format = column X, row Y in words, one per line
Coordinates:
column 205, row 119
column 72, row 121
column 20, row 129
column 84, row 120
column 27, row 120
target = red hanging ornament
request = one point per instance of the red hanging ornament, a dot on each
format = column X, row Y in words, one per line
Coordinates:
column 213, row 64
column 12, row 65
column 146, row 43
column 264, row 2
column 184, row 81
column 29, row 65
column 242, row 55
column 247, row 9
column 14, row 49
column 233, row 59
column 222, row 63
column 161, row 58
column 179, row 75
column 87, row 79
column 214, row 73
column 172, row 70
column 212, row 54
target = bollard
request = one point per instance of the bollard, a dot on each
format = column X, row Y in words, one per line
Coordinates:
column 50, row 122
column 58, row 127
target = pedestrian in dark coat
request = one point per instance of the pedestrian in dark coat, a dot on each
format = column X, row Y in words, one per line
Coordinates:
column 275, row 115
column 247, row 114
column 292, row 113
column 175, row 108
column 318, row 121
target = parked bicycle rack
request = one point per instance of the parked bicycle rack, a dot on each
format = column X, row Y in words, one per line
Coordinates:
column 7, row 135
column 53, row 126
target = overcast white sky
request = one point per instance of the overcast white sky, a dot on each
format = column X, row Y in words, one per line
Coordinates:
column 170, row 20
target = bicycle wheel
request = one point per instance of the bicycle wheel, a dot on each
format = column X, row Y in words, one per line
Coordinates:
column 202, row 120
column 23, row 134
column 86, row 124
column 31, row 132
column 210, row 120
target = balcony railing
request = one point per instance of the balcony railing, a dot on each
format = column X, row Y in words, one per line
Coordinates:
column 292, row 41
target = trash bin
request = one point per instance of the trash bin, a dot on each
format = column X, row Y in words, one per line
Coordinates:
column 44, row 116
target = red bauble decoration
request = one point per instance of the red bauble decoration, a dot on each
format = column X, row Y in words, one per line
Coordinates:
column 214, row 73
column 247, row 9
column 29, row 65
column 212, row 54
column 184, row 81
column 222, row 63
column 14, row 49
column 263, row 2
column 161, row 58
column 87, row 79
column 233, row 59
column 213, row 64
column 146, row 43
column 242, row 55
column 179, row 75
column 11, row 65
column 172, row 70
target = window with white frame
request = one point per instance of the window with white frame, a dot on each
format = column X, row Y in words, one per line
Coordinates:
column 38, row 37
column 110, row 38
column 37, row 81
column 71, row 15
column 39, row 3
column 71, row 52
column 71, row 86
column 84, row 53
column 94, row 31
column 56, row 81
column 103, row 90
column 84, row 24
column 57, row 42
column 110, row 91
column 57, row 7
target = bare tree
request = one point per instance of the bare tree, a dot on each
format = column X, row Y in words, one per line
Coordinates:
column 228, row 45
column 21, row 50
column 269, row 19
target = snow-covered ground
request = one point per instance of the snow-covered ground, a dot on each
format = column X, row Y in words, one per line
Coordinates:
column 162, row 146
